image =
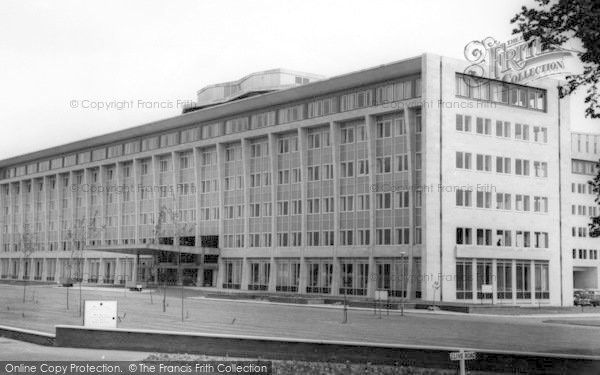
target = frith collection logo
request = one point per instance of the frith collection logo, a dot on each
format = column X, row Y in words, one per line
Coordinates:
column 516, row 61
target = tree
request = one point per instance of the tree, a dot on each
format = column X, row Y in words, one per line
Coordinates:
column 27, row 247
column 169, row 225
column 557, row 23
column 554, row 25
column 594, row 225
column 77, row 237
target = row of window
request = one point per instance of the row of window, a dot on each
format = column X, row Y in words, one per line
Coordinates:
column 322, row 107
column 480, row 88
column 582, row 188
column 584, row 210
column 503, row 129
column 503, row 238
column 584, row 167
column 483, row 163
column 504, row 201
column 583, row 254
column 481, row 271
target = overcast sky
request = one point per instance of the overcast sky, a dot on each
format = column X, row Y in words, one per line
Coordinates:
column 54, row 53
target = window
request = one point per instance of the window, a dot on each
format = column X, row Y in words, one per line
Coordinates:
column 401, row 198
column 383, row 200
column 463, row 198
column 484, row 199
column 384, row 129
column 484, row 237
column 503, row 201
column 521, row 167
column 522, row 202
column 347, row 135
column 522, row 132
column 356, row 100
column 384, row 165
column 347, row 203
column 503, row 129
column 503, row 238
column 464, row 277
column 463, row 123
column 402, row 162
column 314, row 141
column 502, row 164
column 363, row 202
column 347, row 169
column 484, row 163
column 540, row 134
column 362, row 167
column 464, row 236
column 463, row 160
column 483, row 126
column 540, row 168
column 384, row 236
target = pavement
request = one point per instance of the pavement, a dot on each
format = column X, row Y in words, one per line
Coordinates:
column 13, row 350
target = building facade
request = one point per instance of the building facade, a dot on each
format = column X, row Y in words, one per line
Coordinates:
column 585, row 153
column 406, row 177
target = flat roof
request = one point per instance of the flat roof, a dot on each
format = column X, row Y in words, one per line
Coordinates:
column 313, row 89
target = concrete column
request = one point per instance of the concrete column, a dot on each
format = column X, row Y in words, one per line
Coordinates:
column 273, row 159
column 246, row 179
column 410, row 139
column 136, row 261
column 21, row 268
column 86, row 270
column 303, row 276
column 88, row 214
column 494, row 281
column 513, row 275
column 44, row 269
column 335, row 149
column 302, row 147
column 3, row 218
column 273, row 276
column 101, row 271
column 474, row 279
column 245, row 146
column 197, row 182
column 57, row 270
column 532, row 280
column 200, row 276
column 372, row 281
column 46, row 216
column 221, row 273
column 119, row 200
column 221, row 176
column 136, row 198
column 117, row 271
column 155, row 196
column 102, row 218
column 245, row 274
column 336, row 277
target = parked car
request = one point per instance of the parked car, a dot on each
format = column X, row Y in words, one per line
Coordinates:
column 581, row 299
column 595, row 300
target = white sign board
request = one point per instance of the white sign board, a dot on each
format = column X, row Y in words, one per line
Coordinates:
column 457, row 356
column 381, row 295
column 486, row 288
column 100, row 314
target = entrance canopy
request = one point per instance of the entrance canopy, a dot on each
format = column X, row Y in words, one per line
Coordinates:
column 153, row 249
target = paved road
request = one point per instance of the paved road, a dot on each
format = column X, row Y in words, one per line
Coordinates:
column 235, row 317
column 12, row 350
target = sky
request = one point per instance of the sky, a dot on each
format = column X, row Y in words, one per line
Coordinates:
column 59, row 59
